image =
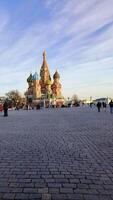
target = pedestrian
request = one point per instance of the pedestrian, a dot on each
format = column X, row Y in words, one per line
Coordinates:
column 1, row 108
column 26, row 106
column 38, row 107
column 91, row 104
column 5, row 108
column 111, row 106
column 104, row 106
column 99, row 106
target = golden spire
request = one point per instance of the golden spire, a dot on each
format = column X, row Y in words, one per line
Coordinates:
column 44, row 71
column 44, row 64
column 44, row 55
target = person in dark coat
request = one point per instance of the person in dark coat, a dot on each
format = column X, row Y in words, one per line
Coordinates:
column 38, row 107
column 104, row 106
column 111, row 106
column 99, row 106
column 5, row 107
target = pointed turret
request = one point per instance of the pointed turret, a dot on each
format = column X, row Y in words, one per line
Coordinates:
column 44, row 67
column 56, row 75
column 44, row 74
column 29, row 79
column 36, row 86
column 44, row 64
column 56, row 86
column 30, row 86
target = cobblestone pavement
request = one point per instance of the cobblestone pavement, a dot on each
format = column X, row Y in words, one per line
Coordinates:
column 56, row 154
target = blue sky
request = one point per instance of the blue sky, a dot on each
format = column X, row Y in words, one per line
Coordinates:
column 76, row 34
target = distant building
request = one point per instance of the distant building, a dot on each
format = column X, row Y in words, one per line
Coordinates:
column 106, row 100
column 85, row 101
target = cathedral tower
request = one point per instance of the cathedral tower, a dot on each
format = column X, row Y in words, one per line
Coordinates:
column 44, row 74
column 30, row 85
column 36, row 86
column 56, row 86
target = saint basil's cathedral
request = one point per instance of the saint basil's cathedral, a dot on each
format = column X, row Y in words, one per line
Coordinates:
column 44, row 88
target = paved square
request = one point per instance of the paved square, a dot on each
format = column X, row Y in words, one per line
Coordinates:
column 56, row 154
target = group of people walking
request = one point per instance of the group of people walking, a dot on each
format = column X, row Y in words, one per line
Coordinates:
column 104, row 105
column 99, row 106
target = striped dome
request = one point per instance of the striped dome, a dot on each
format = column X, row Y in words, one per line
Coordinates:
column 35, row 76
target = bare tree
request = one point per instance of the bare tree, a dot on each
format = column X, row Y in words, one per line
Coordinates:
column 15, row 97
column 75, row 100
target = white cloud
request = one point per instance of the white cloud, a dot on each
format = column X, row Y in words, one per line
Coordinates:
column 68, row 37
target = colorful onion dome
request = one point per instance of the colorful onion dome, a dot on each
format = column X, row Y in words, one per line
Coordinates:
column 49, row 82
column 56, row 75
column 35, row 76
column 29, row 79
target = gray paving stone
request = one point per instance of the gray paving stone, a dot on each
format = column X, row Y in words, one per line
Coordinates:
column 54, row 190
column 43, row 190
column 9, row 196
column 66, row 190
column 46, row 197
column 35, row 196
column 57, row 154
column 75, row 196
column 30, row 190
column 22, row 196
column 59, row 197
